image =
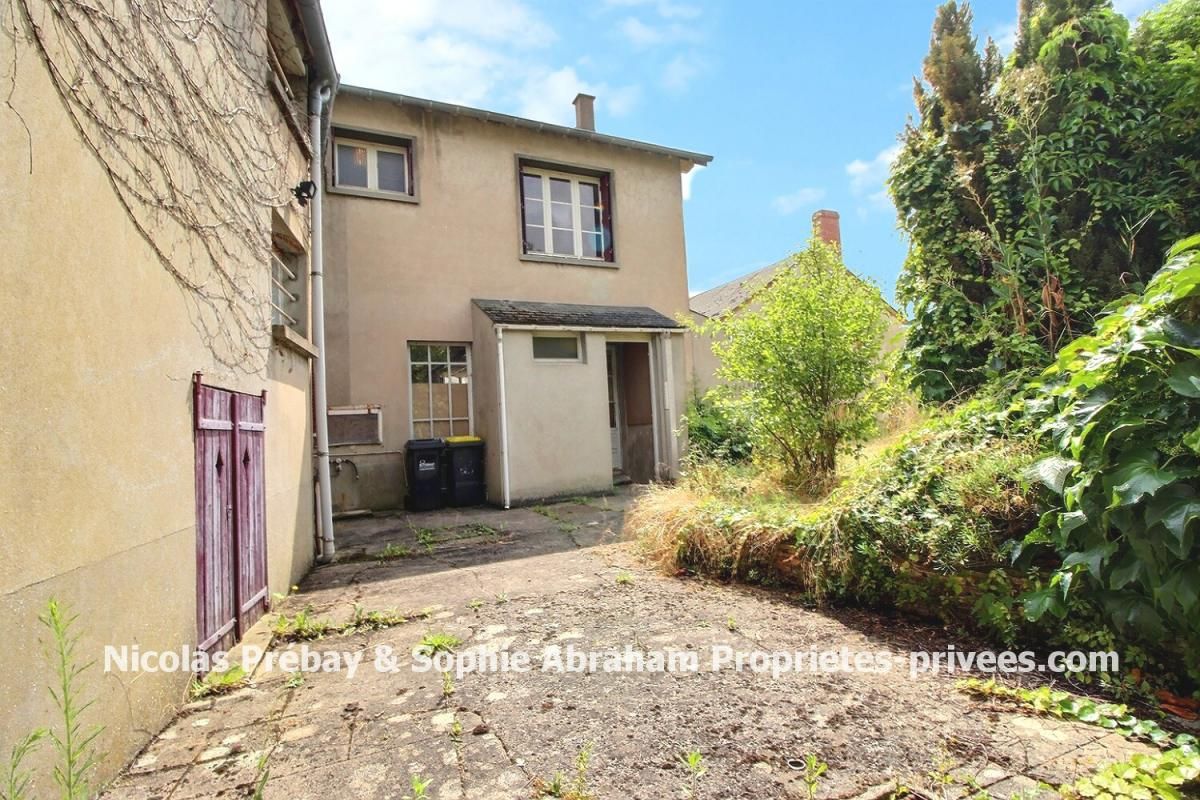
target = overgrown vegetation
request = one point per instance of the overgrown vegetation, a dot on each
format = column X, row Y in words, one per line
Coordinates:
column 1036, row 188
column 801, row 372
column 304, row 627
column 1054, row 504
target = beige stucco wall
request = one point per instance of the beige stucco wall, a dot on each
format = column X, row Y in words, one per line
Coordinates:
column 97, row 493
column 400, row 272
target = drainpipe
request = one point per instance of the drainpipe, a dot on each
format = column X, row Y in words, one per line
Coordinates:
column 503, row 414
column 318, row 97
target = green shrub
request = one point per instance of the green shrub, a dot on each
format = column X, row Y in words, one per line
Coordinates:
column 713, row 433
column 1124, row 431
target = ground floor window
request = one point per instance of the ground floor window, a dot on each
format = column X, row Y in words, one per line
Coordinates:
column 440, row 388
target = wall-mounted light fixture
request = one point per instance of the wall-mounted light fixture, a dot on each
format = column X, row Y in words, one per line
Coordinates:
column 305, row 191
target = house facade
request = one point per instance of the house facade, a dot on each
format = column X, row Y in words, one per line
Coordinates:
column 504, row 278
column 155, row 401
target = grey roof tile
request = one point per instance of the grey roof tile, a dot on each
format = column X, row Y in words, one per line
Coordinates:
column 521, row 312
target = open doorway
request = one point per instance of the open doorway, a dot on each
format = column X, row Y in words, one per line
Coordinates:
column 630, row 415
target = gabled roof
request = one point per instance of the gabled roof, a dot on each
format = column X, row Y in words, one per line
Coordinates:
column 728, row 296
column 521, row 122
column 573, row 315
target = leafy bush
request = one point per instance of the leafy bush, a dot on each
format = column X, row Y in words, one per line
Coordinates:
column 1124, row 428
column 713, row 433
column 801, row 373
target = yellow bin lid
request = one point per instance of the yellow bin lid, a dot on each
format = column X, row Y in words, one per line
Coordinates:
column 461, row 439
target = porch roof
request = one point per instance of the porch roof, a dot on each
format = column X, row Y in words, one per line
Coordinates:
column 573, row 315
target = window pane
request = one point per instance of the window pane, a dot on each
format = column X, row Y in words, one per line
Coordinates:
column 531, row 186
column 458, row 399
column 556, row 347
column 589, row 194
column 560, row 190
column 441, row 401
column 351, row 165
column 461, row 427
column 418, row 352
column 437, row 352
column 534, row 212
column 593, row 245
column 564, row 242
column 393, row 171
column 421, row 430
column 441, row 429
column 459, row 355
column 535, row 239
column 560, row 215
column 589, row 218
column 420, row 374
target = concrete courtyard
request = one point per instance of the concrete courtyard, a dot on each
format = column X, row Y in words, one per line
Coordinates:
column 524, row 580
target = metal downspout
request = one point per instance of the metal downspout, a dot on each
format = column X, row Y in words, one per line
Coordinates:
column 318, row 97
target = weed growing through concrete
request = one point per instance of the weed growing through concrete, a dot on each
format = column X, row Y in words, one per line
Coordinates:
column 447, row 684
column 16, row 777
column 304, row 627
column 475, row 604
column 420, row 787
column 215, row 683
column 501, row 598
column 814, row 768
column 693, row 762
column 624, row 579
column 427, row 539
column 559, row 787
column 731, row 624
column 76, row 755
column 433, row 643
column 294, row 680
column 394, row 551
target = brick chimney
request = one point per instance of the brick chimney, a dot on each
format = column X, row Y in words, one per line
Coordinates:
column 827, row 227
column 585, row 112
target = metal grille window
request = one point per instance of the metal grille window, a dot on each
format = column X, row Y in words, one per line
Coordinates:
column 440, row 390
column 288, row 297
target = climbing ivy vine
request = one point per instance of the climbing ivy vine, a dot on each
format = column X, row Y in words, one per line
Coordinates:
column 1035, row 189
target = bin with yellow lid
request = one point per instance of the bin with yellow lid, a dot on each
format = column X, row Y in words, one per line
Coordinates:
column 465, row 485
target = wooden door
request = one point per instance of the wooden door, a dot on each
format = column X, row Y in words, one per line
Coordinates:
column 231, row 553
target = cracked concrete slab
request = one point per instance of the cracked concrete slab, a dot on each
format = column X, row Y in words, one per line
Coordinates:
column 528, row 579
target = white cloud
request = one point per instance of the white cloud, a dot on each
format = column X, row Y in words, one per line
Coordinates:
column 867, row 177
column 642, row 34
column 791, row 203
column 1005, row 36
column 472, row 52
column 679, row 72
column 687, row 178
column 665, row 8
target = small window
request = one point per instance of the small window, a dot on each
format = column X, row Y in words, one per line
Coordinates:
column 440, row 386
column 566, row 215
column 349, row 425
column 556, row 348
column 373, row 166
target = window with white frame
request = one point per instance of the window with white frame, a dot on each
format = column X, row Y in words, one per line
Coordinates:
column 373, row 166
column 564, row 214
column 556, row 347
column 440, row 389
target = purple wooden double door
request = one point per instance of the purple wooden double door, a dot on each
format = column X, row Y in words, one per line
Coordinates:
column 231, row 531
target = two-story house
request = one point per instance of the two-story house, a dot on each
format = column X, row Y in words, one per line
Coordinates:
column 155, row 400
column 506, row 278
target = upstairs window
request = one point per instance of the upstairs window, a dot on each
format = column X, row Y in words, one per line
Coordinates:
column 373, row 166
column 566, row 215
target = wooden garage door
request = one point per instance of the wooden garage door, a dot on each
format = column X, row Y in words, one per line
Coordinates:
column 231, row 544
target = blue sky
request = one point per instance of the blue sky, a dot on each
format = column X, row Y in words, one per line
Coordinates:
column 800, row 102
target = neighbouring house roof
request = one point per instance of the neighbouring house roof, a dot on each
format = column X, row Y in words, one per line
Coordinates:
column 734, row 294
column 573, row 315
column 728, row 296
column 521, row 122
